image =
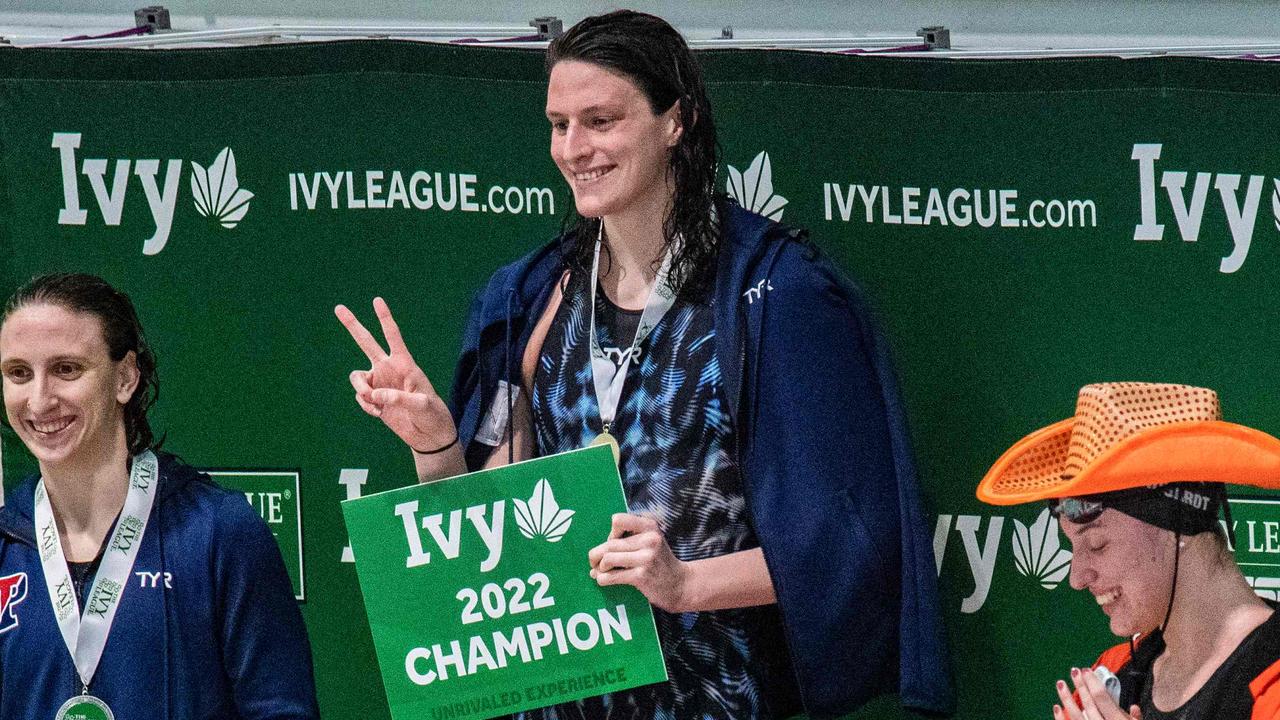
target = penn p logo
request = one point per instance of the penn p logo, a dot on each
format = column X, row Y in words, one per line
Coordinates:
column 13, row 590
column 217, row 191
column 541, row 516
column 1038, row 553
column 754, row 189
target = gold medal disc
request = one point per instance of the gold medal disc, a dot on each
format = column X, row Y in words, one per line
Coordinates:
column 605, row 438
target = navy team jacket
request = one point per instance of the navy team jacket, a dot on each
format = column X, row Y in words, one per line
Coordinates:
column 828, row 470
column 207, row 625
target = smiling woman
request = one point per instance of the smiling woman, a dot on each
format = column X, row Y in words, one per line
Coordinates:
column 743, row 388
column 108, row 510
column 1126, row 478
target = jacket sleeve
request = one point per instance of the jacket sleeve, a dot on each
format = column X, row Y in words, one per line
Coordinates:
column 464, row 395
column 834, row 496
column 264, row 643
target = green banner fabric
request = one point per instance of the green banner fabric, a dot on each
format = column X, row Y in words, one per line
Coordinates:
column 1021, row 227
column 478, row 594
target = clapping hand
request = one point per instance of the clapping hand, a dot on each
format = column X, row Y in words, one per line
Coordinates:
column 1095, row 703
column 394, row 388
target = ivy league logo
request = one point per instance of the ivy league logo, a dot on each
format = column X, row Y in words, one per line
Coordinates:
column 106, row 594
column 1188, row 208
column 216, row 190
column 1038, row 551
column 754, row 189
column 539, row 517
column 130, row 529
column 542, row 517
column 218, row 194
column 48, row 541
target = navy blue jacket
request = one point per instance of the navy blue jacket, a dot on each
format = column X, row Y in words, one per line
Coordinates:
column 207, row 625
column 829, row 475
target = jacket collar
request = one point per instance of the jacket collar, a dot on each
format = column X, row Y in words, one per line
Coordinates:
column 518, row 293
column 17, row 517
column 747, row 256
column 519, row 287
column 527, row 282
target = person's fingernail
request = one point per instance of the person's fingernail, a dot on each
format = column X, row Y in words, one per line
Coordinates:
column 1075, row 672
column 1062, row 685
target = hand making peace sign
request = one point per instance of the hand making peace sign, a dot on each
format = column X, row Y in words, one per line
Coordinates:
column 394, row 388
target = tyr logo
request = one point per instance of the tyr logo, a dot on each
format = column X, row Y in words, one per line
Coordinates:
column 618, row 355
column 154, row 579
column 13, row 590
column 753, row 294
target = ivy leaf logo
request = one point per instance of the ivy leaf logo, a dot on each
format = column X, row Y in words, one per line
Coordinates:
column 754, row 189
column 1038, row 553
column 541, row 516
column 217, row 191
column 1275, row 202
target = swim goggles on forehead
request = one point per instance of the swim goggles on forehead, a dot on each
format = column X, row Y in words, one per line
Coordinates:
column 1080, row 510
column 1186, row 508
column 1086, row 508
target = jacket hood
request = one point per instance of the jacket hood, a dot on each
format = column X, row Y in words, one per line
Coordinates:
column 17, row 517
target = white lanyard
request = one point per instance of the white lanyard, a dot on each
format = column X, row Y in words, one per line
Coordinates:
column 86, row 637
column 608, row 377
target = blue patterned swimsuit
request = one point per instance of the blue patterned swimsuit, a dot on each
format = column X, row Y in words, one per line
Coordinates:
column 679, row 464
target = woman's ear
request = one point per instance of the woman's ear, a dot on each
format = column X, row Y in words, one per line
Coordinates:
column 127, row 377
column 674, row 127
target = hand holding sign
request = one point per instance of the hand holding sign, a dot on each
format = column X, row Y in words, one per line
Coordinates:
column 637, row 554
column 476, row 597
column 394, row 388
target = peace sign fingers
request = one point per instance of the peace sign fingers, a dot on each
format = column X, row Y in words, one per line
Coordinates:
column 394, row 389
column 390, row 330
column 368, row 344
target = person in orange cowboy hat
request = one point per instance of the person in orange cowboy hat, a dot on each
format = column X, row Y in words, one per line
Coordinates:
column 1136, row 479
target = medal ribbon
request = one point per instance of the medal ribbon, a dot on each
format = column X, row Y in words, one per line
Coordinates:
column 86, row 637
column 610, row 378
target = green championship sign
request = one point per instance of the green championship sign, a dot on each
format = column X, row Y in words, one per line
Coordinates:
column 478, row 594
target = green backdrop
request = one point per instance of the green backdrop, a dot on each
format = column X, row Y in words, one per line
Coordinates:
column 994, row 211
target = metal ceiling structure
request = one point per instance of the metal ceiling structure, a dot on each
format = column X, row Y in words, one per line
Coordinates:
column 152, row 30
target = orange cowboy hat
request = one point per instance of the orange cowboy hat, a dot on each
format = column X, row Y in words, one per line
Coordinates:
column 1128, row 435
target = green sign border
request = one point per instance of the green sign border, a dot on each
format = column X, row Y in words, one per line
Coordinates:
column 297, row 494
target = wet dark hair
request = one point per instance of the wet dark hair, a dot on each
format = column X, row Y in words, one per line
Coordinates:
column 654, row 56
column 80, row 292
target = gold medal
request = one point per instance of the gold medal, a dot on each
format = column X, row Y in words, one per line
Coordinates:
column 605, row 438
